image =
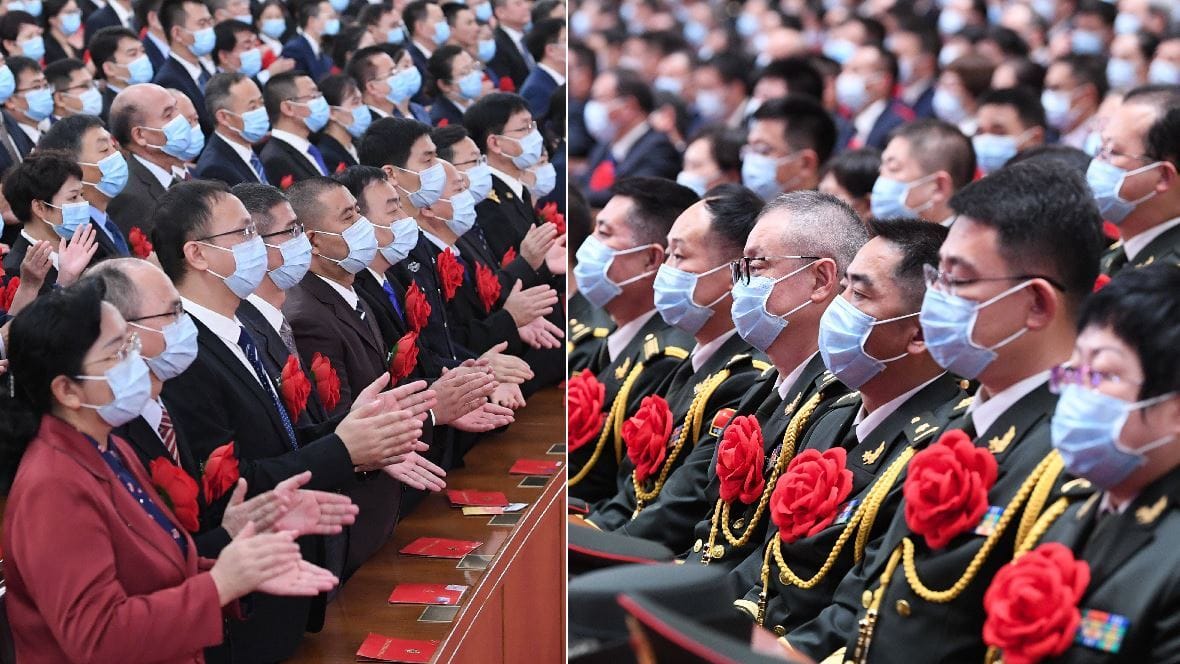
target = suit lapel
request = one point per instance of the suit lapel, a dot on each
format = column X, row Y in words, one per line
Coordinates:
column 329, row 297
column 299, row 161
column 1159, row 247
column 227, row 155
column 213, row 348
column 155, row 189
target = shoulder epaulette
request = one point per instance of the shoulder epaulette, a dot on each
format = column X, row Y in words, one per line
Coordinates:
column 739, row 360
column 768, row 372
column 847, row 400
column 761, row 365
column 825, row 380
column 652, row 347
column 1077, row 488
column 920, row 427
column 967, row 401
column 582, row 333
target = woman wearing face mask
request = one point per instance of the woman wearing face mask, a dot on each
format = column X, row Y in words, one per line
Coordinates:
column 20, row 34
column 64, row 21
column 1116, row 426
column 272, row 22
column 348, row 120
column 97, row 566
column 404, row 84
column 458, row 81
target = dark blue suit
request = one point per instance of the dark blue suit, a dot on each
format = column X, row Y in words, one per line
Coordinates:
column 103, row 18
column 174, row 75
column 509, row 61
column 537, row 90
column 219, row 161
column 445, row 109
column 895, row 115
column 299, row 50
column 652, row 155
column 420, row 63
column 924, row 105
column 155, row 55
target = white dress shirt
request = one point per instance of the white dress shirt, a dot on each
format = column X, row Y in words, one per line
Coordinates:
column 515, row 185
column 553, row 73
column 985, row 411
column 243, row 152
column 702, row 354
column 784, row 384
column 867, row 422
column 226, row 329
column 616, row 341
column 624, row 143
column 300, row 144
column 268, row 311
column 347, row 293
column 864, row 121
column 164, row 177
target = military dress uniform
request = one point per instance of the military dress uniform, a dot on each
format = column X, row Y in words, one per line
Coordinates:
column 782, row 598
column 877, row 615
column 584, row 344
column 1164, row 248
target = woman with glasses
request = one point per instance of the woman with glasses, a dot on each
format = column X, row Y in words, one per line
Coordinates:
column 1112, row 546
column 97, row 566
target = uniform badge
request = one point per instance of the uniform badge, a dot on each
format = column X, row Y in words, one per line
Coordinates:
column 492, row 196
column 621, row 371
column 721, row 419
column 413, row 266
column 999, row 444
column 1101, row 630
column 871, row 456
column 846, row 511
column 1147, row 515
column 987, row 525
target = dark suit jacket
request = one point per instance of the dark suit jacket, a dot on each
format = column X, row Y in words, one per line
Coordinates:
column 24, row 145
column 274, row 357
column 923, row 106
column 537, row 90
column 108, row 98
column 135, row 204
column 1165, row 248
column 281, row 159
column 504, row 218
column 173, row 75
column 54, row 51
column 445, row 109
column 299, row 50
column 509, row 61
column 438, row 336
column 155, row 55
column 653, row 155
column 219, row 161
column 103, row 18
column 895, row 115
column 335, row 156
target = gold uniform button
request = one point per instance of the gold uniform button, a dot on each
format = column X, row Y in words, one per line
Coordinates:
column 779, row 630
column 696, row 548
column 784, row 579
column 717, row 551
column 739, row 524
column 903, row 608
column 866, row 598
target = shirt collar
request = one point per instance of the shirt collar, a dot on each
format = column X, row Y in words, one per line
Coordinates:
column 1107, row 507
column 865, row 120
column 867, row 422
column 624, row 143
column 244, row 152
column 911, row 93
column 31, row 131
column 515, row 185
column 165, row 177
column 226, row 328
column 268, row 311
column 556, row 75
column 785, row 384
column 425, row 51
column 1135, row 245
column 702, row 354
column 985, row 411
column 194, row 69
column 616, row 341
column 152, row 413
column 516, row 36
column 313, row 43
column 125, row 16
column 297, row 142
column 946, row 223
column 438, row 242
column 33, row 242
column 379, row 276
column 348, row 294
column 380, row 113
column 165, row 49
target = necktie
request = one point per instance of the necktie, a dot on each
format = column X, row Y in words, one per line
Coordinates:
column 360, row 311
column 288, row 337
column 397, row 308
column 318, row 157
column 256, row 164
column 168, row 434
column 246, row 343
column 203, row 78
column 116, row 236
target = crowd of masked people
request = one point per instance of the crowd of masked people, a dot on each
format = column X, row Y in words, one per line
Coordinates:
column 270, row 271
column 874, row 327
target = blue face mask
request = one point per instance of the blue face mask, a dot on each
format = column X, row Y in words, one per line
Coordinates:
column 471, row 85
column 530, row 149
column 361, row 119
column 674, row 290
column 180, row 348
column 362, row 246
column 430, row 186
column 843, row 332
column 948, row 324
column 840, row 50
column 113, row 168
column 177, row 134
column 697, row 183
column 339, row 5
column 992, row 151
column 757, row 326
column 395, row 36
column 405, row 238
column 487, row 49
column 73, row 216
column 483, row 13
column 196, row 143
column 1106, row 181
column 889, row 198
column 851, row 92
column 7, row 84
column 91, row 101
column 1163, row 72
column 1126, row 24
column 480, row 179
column 244, row 18
column 594, row 261
column 249, row 266
column 760, row 174
column 404, row 84
column 140, row 70
column 546, row 180
column 250, row 62
column 462, row 213
column 31, row 7
column 1121, row 73
column 131, row 387
column 40, row 104
column 332, row 27
column 947, row 107
column 1085, row 42
column 274, row 27
column 1085, row 430
column 203, row 41
column 70, row 22
column 319, row 113
column 1058, row 105
column 255, row 124
column 1093, row 144
column 442, row 32
column 296, row 260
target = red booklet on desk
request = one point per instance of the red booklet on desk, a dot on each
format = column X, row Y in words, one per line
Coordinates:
column 438, row 547
column 427, row 593
column 472, row 498
column 534, row 467
column 377, row 648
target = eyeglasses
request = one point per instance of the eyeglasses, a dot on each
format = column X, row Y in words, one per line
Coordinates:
column 175, row 311
column 1107, row 153
column 1083, row 375
column 463, row 72
column 247, row 232
column 287, row 233
column 130, row 345
column 527, row 129
column 945, row 282
column 464, row 165
column 740, row 270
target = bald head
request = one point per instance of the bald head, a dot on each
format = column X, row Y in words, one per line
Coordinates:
column 137, row 106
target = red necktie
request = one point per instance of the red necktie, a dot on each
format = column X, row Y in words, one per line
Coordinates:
column 168, row 434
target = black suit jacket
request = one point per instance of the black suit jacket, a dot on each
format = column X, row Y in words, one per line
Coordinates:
column 103, row 18
column 299, row 50
column 155, row 55
column 108, row 98
column 54, row 51
column 895, row 115
column 136, row 203
column 509, row 61
column 173, row 75
column 505, row 218
column 438, row 336
column 21, row 140
column 219, row 161
column 445, row 109
column 336, row 158
column 281, row 159
column 652, row 155
column 537, row 90
column 274, row 357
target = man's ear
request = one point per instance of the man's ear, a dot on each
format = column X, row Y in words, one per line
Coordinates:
column 194, row 255
column 827, row 280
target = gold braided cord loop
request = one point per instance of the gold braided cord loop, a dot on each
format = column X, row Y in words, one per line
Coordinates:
column 1038, row 530
column 883, row 486
column 617, row 408
column 948, row 595
column 1040, row 496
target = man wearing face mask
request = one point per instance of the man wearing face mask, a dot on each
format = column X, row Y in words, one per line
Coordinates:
column 119, row 60
column 73, row 88
column 925, row 163
column 147, row 123
column 1134, row 179
column 1115, row 424
column 1010, row 120
column 386, row 85
column 29, row 104
column 428, row 29
column 865, row 91
column 627, row 146
column 1074, row 87
column 870, row 338
column 239, row 49
column 790, row 139
column 316, row 21
column 1000, row 308
column 236, row 105
column 916, row 47
column 296, row 108
column 189, row 27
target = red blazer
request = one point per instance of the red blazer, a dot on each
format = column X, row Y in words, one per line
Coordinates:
column 91, row 577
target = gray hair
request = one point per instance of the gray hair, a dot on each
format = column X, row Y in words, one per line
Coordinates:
column 820, row 225
column 116, row 274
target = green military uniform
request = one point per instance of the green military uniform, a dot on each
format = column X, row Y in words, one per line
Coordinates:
column 710, row 393
column 878, row 616
column 1163, row 249
column 820, row 561
column 652, row 353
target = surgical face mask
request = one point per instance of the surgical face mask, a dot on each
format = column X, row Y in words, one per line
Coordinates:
column 131, row 387
column 405, row 237
column 40, row 103
column 255, row 124
column 840, row 50
column 113, row 169
column 250, row 62
column 948, row 323
column 462, row 212
column 196, row 143
column 483, row 13
column 1163, row 72
column 594, row 261
column 757, row 326
column 244, row 18
column 1106, row 181
column 850, row 92
column 140, row 70
column 203, row 41
column 949, row 54
column 546, row 180
column 1058, row 111
column 430, row 185
column 31, row 7
column 471, row 85
column 91, row 101
column 296, row 254
column 403, row 85
column 73, row 216
column 1093, row 144
column 395, row 35
column 487, row 49
column 442, row 32
column 177, row 134
column 1086, row 428
column 1086, row 42
column 7, row 84
column 760, row 174
column 951, row 21
column 332, row 27
column 339, row 5
column 747, row 25
column 480, row 179
column 1126, row 24
column 890, row 196
column 530, row 149
column 843, row 332
column 70, row 22
column 1121, row 73
column 318, row 113
column 33, row 48
column 274, row 27
column 598, row 122
column 948, row 107
column 710, row 104
column 992, row 151
column 668, row 84
column 674, row 298
column 249, row 266
column 180, row 348
column 695, row 33
column 361, row 119
column 697, row 183
column 362, row 246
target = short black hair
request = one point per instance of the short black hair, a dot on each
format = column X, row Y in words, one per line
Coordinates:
column 371, row 15
column 103, row 45
column 357, row 178
column 490, row 114
column 799, row 74
column 578, row 222
column 1162, row 141
column 733, row 211
column 183, row 214
column 732, row 68
column 308, row 10
column 940, row 146
column 1061, row 155
column 928, row 39
column 11, row 23
column 389, row 141
column 51, row 8
column 172, row 13
column 1045, row 220
column 143, row 8
column 445, row 139
column 18, row 64
column 1027, row 105
column 655, row 205
column 226, row 36
column 1105, row 11
column 439, row 64
column 335, row 87
column 38, row 178
column 259, row 200
column 544, row 33
column 629, row 84
column 542, row 9
column 584, row 55
column 58, row 72
column 413, row 13
column 279, row 88
column 918, row 241
column 361, row 67
column 346, row 42
column 1029, row 75
column 1010, row 43
column 808, row 123
column 66, row 134
column 1141, row 307
column 855, row 170
column 1087, row 69
column 725, row 146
